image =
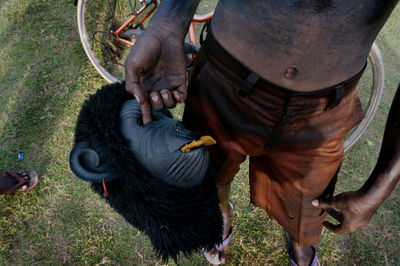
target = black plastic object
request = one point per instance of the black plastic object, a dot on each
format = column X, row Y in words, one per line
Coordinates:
column 157, row 147
column 176, row 220
column 85, row 164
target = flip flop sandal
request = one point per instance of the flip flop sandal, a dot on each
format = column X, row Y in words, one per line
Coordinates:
column 215, row 260
column 314, row 261
column 27, row 181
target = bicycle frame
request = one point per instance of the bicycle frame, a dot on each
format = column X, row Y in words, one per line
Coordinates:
column 192, row 33
column 135, row 15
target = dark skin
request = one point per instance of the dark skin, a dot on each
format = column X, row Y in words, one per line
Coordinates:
column 354, row 209
column 318, row 38
column 156, row 68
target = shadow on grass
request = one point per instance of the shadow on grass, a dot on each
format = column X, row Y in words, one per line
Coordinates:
column 41, row 95
column 37, row 84
column 45, row 77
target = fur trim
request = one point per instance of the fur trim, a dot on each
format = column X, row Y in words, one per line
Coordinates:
column 175, row 219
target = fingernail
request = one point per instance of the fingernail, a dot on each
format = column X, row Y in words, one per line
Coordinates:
column 155, row 98
column 315, row 203
column 136, row 97
column 178, row 98
column 164, row 95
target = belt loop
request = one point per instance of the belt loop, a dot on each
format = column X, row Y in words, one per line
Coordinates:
column 335, row 97
column 205, row 28
column 248, row 84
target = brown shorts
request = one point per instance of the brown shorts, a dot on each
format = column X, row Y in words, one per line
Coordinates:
column 294, row 140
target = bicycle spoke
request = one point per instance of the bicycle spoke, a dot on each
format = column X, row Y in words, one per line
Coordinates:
column 101, row 18
column 111, row 10
column 98, row 20
column 132, row 8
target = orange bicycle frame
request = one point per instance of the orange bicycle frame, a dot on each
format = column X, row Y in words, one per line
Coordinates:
column 129, row 21
column 192, row 33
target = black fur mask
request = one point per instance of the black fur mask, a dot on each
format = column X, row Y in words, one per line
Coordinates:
column 175, row 219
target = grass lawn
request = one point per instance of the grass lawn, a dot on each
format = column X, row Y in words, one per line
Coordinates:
column 45, row 77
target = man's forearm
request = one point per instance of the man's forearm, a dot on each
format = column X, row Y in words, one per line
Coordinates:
column 387, row 170
column 175, row 15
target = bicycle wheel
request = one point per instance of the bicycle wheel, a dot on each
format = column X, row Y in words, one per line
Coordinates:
column 97, row 20
column 205, row 11
column 370, row 95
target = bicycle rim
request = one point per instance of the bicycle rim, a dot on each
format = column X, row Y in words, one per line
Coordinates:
column 375, row 79
column 205, row 11
column 95, row 24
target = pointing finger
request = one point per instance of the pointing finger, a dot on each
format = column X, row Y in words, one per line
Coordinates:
column 138, row 93
column 145, row 108
column 132, row 76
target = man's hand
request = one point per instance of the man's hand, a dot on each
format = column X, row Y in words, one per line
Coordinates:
column 155, row 71
column 354, row 209
column 351, row 209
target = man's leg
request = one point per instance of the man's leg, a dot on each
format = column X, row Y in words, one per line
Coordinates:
column 302, row 255
column 227, row 215
column 285, row 183
column 226, row 173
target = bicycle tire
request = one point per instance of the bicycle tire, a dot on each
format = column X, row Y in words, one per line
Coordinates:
column 378, row 80
column 87, row 40
column 190, row 49
column 203, row 17
column 205, row 11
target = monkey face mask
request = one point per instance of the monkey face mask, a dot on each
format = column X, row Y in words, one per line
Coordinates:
column 157, row 176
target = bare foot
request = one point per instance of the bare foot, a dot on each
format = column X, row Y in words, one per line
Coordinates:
column 302, row 255
column 218, row 254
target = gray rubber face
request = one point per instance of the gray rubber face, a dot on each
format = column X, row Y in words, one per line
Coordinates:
column 157, row 147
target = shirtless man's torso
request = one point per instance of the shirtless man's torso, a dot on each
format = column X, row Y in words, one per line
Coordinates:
column 302, row 46
column 326, row 42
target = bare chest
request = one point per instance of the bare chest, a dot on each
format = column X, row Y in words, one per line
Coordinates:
column 326, row 42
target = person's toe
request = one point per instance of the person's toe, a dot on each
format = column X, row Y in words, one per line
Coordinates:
column 222, row 257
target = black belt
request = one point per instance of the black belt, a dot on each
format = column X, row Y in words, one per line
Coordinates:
column 251, row 79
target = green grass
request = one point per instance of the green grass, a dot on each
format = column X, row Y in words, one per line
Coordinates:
column 45, row 77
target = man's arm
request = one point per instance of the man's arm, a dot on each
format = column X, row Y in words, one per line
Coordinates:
column 354, row 209
column 155, row 69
